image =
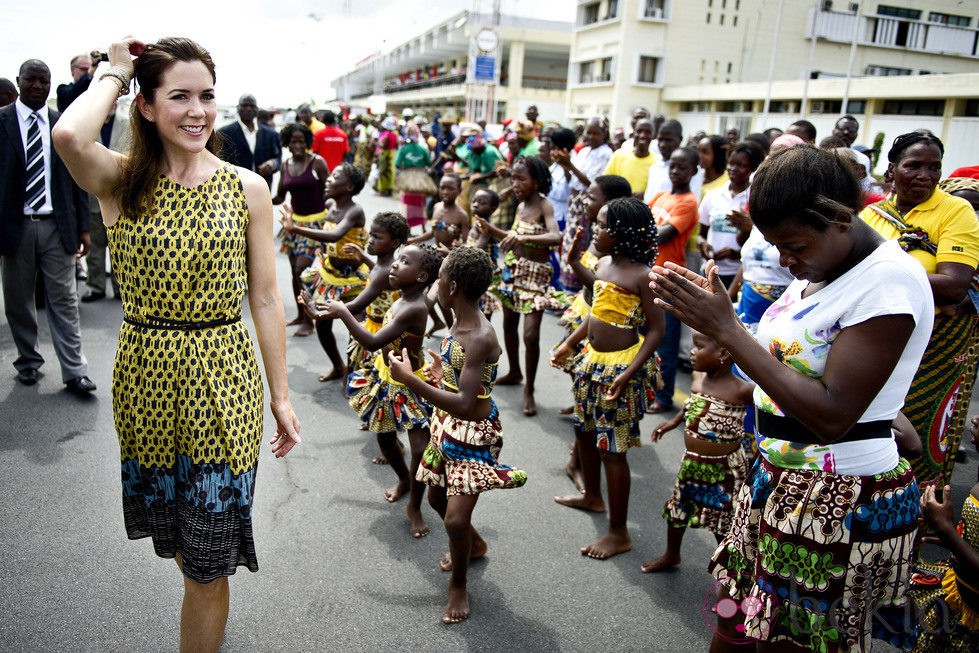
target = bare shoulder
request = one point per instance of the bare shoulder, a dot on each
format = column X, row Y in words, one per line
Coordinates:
column 252, row 183
column 481, row 344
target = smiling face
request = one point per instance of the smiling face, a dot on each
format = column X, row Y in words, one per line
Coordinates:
column 297, row 144
column 739, row 168
column 183, row 108
column 916, row 173
column 808, row 253
column 642, row 136
column 407, row 269
column 337, row 185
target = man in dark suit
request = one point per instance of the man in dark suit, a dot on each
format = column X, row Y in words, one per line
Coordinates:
column 250, row 144
column 43, row 226
column 82, row 68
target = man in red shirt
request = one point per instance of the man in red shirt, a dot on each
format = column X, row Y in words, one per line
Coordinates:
column 331, row 141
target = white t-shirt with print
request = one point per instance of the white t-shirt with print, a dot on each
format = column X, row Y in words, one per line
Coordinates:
column 800, row 331
column 713, row 212
column 760, row 262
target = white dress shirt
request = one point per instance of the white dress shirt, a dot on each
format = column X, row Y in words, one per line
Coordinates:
column 43, row 124
column 251, row 135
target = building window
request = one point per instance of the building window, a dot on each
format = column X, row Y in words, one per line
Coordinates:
column 914, row 107
column 886, row 71
column 783, row 106
column 972, row 108
column 612, row 9
column 695, row 107
column 739, row 106
column 648, row 70
column 826, row 106
column 856, row 107
column 655, row 10
column 588, row 14
column 708, row 18
column 595, row 72
column 721, row 19
column 898, row 12
column 949, row 19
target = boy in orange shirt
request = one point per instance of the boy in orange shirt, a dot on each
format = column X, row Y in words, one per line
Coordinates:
column 676, row 216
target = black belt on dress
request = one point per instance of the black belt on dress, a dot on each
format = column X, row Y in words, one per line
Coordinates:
column 791, row 429
column 177, row 325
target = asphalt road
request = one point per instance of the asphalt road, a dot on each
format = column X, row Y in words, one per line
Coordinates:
column 339, row 570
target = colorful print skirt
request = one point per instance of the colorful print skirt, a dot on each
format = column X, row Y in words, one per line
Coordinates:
column 462, row 456
column 817, row 555
column 572, row 318
column 299, row 246
column 384, row 404
column 615, row 422
column 358, row 357
column 525, row 286
column 704, row 491
column 324, row 281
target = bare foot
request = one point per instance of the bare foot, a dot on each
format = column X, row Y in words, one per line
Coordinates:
column 607, row 545
column 478, row 551
column 364, row 427
column 395, row 492
column 305, row 330
column 300, row 319
column 579, row 502
column 457, row 607
column 379, row 459
column 574, row 473
column 510, row 378
column 437, row 325
column 417, row 525
column 569, row 410
column 662, row 563
column 529, row 405
column 335, row 373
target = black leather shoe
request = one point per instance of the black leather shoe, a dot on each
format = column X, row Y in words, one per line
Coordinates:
column 28, row 376
column 93, row 296
column 80, row 385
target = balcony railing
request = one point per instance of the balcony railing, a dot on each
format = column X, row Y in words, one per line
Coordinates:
column 445, row 80
column 888, row 31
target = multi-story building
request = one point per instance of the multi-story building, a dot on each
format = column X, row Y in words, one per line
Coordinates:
column 427, row 73
column 721, row 62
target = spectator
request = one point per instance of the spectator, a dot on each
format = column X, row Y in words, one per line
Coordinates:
column 331, row 142
column 250, row 144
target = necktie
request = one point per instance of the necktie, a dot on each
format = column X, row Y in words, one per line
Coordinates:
column 35, row 196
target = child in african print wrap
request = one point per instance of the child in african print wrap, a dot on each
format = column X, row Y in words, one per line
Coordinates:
column 460, row 461
column 484, row 203
column 946, row 593
column 384, row 404
column 388, row 232
column 334, row 275
column 714, row 465
column 616, row 373
column 523, row 284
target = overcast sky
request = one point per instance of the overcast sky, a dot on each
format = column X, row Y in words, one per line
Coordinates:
column 283, row 51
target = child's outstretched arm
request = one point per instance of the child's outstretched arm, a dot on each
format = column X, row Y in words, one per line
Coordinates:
column 375, row 286
column 551, row 237
column 654, row 335
column 560, row 353
column 665, row 427
column 460, row 403
column 485, row 226
column 585, row 276
column 353, row 218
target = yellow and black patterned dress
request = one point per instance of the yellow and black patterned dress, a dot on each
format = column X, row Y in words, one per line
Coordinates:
column 186, row 389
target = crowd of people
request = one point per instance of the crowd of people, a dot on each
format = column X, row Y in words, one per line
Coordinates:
column 828, row 318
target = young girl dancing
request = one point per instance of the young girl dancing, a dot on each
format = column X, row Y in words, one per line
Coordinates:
column 385, row 405
column 523, row 284
column 714, row 465
column 484, row 203
column 615, row 374
column 460, row 461
column 334, row 275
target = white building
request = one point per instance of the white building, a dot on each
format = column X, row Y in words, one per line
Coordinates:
column 709, row 62
column 427, row 73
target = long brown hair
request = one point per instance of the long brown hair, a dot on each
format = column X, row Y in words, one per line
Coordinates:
column 145, row 162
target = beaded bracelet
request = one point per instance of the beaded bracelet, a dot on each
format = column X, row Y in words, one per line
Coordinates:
column 120, row 76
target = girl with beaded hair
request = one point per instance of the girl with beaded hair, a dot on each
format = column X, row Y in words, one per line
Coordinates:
column 188, row 233
column 615, row 374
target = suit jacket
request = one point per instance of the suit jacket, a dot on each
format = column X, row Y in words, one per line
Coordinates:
column 67, row 93
column 70, row 202
column 235, row 150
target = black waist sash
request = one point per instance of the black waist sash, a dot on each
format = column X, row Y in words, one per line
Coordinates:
column 791, row 429
column 178, row 325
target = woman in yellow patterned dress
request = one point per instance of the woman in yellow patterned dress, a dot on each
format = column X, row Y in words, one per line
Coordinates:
column 187, row 233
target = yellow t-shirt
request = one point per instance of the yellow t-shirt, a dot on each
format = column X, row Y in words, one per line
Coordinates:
column 950, row 223
column 625, row 163
column 708, row 186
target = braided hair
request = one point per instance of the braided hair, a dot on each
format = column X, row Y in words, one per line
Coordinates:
column 472, row 270
column 630, row 223
column 538, row 171
column 431, row 262
column 395, row 224
column 906, row 141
